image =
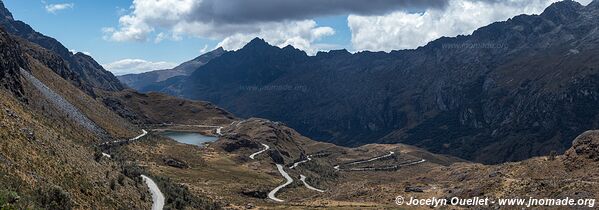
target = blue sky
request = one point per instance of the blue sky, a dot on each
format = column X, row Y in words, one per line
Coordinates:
column 127, row 36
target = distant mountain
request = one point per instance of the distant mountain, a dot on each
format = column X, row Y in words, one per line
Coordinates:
column 511, row 90
column 79, row 68
column 142, row 81
column 64, row 149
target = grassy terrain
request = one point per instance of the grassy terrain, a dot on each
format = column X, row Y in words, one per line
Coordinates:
column 210, row 173
column 95, row 110
column 156, row 108
column 48, row 163
column 228, row 178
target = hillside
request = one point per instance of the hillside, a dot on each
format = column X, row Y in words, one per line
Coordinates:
column 47, row 155
column 54, row 128
column 366, row 177
column 157, row 108
column 142, row 81
column 511, row 90
column 69, row 142
column 80, row 69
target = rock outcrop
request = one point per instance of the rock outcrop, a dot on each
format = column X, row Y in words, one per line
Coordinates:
column 584, row 151
column 11, row 60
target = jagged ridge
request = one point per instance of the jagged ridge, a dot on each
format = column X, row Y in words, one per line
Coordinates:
column 511, row 90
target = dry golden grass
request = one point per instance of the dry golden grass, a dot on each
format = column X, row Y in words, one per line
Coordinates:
column 157, row 108
column 95, row 110
column 56, row 155
column 211, row 173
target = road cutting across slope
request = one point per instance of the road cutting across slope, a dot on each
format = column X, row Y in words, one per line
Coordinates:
column 272, row 193
column 157, row 196
column 266, row 147
column 303, row 179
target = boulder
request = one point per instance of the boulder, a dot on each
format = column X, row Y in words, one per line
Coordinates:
column 175, row 163
column 413, row 189
column 585, row 149
column 255, row 193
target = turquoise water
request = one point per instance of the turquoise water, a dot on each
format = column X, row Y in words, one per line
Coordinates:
column 189, row 137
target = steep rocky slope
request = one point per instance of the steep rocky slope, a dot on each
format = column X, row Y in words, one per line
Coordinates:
column 45, row 165
column 511, row 90
column 47, row 155
column 12, row 60
column 80, row 69
column 53, row 127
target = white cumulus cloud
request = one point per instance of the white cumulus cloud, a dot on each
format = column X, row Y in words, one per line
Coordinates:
column 76, row 51
column 204, row 49
column 172, row 19
column 375, row 24
column 53, row 8
column 403, row 30
column 135, row 66
column 300, row 34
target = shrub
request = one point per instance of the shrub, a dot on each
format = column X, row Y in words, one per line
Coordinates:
column 121, row 180
column 97, row 155
column 179, row 197
column 7, row 199
column 55, row 198
column 552, row 155
column 112, row 184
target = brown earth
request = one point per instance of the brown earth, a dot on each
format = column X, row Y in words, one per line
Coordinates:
column 236, row 181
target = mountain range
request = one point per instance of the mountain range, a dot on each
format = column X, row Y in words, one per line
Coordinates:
column 145, row 80
column 72, row 137
column 509, row 91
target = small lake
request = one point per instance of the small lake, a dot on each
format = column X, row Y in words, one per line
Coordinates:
column 189, row 137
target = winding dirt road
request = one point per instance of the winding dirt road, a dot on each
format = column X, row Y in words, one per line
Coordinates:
column 272, row 193
column 144, row 132
column 303, row 179
column 266, row 147
column 157, row 197
column 300, row 162
column 372, row 159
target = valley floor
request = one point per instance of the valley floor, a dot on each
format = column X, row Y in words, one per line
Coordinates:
column 371, row 176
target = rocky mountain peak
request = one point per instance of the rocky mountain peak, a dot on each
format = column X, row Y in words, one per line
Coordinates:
column 210, row 55
column 339, row 52
column 564, row 5
column 563, row 11
column 4, row 13
column 219, row 50
column 191, row 65
column 289, row 47
column 291, row 50
column 257, row 44
column 88, row 73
